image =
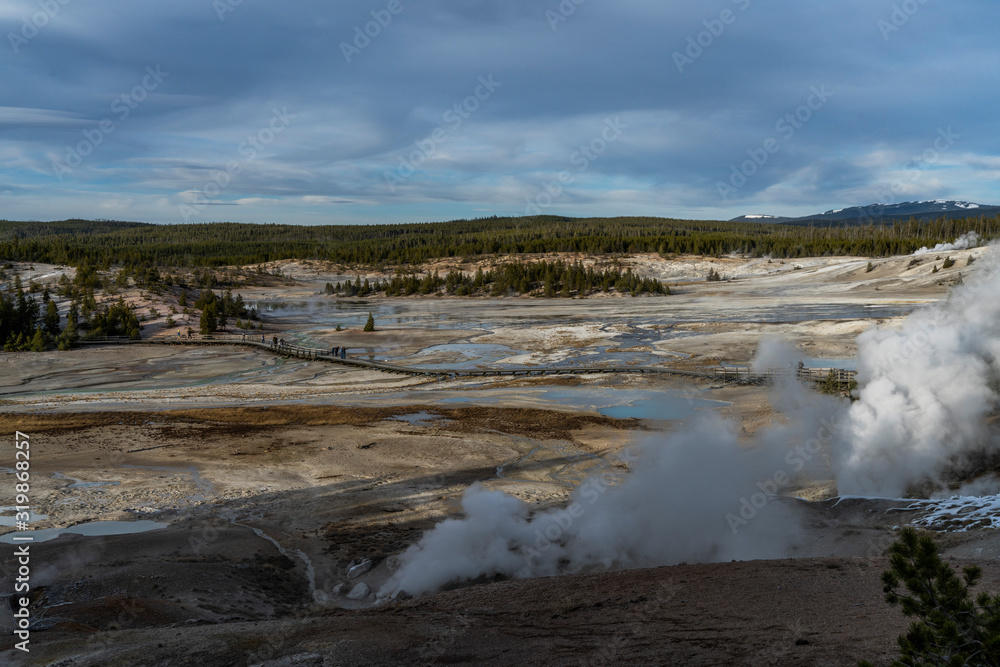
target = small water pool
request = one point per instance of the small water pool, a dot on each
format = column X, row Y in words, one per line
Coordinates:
column 661, row 408
column 80, row 484
column 91, row 529
column 422, row 418
column 11, row 520
column 618, row 404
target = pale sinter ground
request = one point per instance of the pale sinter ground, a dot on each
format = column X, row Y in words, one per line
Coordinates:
column 268, row 509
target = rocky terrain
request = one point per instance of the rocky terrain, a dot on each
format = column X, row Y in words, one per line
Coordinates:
column 286, row 490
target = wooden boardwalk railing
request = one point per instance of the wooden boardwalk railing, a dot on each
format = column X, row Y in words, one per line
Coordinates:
column 727, row 374
column 746, row 375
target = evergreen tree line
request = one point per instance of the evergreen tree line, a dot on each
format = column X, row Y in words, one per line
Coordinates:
column 24, row 325
column 218, row 310
column 20, row 314
column 543, row 279
column 104, row 244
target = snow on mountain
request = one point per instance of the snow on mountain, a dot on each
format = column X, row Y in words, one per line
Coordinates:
column 880, row 212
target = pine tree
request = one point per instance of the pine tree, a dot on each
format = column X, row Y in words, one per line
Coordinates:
column 208, row 323
column 72, row 330
column 370, row 324
column 951, row 628
column 51, row 321
column 39, row 341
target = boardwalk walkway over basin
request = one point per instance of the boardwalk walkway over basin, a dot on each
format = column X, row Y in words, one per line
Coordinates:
column 727, row 374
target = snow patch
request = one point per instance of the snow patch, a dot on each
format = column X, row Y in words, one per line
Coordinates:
column 958, row 513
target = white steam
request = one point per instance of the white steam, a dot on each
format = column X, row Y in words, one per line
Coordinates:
column 774, row 353
column 964, row 242
column 698, row 496
column 926, row 390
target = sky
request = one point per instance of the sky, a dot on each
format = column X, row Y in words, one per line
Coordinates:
column 385, row 111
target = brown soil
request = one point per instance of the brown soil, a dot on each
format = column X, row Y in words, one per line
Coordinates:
column 519, row 421
column 780, row 613
column 269, row 503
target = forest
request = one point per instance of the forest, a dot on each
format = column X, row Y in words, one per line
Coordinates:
column 108, row 243
column 543, row 279
column 24, row 325
column 30, row 319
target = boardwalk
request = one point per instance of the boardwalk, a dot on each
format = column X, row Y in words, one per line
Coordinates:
column 727, row 374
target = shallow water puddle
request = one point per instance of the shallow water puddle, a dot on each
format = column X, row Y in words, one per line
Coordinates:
column 618, row 404
column 11, row 521
column 80, row 484
column 422, row 418
column 90, row 529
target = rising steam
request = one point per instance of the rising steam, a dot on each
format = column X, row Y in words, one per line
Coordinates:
column 670, row 507
column 927, row 388
column 964, row 242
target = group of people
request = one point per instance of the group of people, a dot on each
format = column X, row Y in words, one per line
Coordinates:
column 336, row 351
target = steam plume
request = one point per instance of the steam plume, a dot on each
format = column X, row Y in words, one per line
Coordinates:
column 695, row 497
column 964, row 242
column 926, row 390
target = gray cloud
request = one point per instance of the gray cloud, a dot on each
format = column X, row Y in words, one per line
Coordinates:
column 560, row 79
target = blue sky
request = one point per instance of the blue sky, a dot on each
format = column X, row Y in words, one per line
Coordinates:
column 415, row 110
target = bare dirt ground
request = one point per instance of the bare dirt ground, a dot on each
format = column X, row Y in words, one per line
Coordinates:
column 276, row 477
column 268, row 510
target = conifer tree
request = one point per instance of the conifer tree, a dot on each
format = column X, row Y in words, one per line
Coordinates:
column 950, row 627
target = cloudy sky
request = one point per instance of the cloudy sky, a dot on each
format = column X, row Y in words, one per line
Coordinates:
column 413, row 110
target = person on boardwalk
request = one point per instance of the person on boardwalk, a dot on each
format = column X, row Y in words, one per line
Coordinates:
column 244, row 338
column 262, row 339
column 343, row 353
column 274, row 341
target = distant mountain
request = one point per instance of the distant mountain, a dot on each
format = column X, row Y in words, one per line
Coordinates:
column 756, row 217
column 921, row 210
